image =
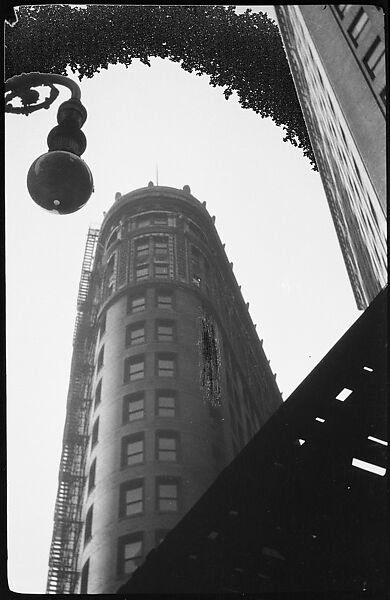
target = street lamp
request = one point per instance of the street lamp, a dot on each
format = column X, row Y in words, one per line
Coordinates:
column 59, row 180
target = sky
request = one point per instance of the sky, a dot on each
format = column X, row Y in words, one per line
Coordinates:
column 271, row 212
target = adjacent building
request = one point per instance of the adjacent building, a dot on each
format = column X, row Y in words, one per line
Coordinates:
column 169, row 382
column 337, row 59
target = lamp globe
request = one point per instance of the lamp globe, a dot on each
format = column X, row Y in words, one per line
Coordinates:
column 60, row 182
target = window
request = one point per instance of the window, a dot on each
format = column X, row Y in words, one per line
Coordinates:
column 95, row 433
column 133, row 407
column 100, row 358
column 142, row 272
column 130, row 548
column 84, row 578
column 167, row 494
column 342, row 9
column 164, row 300
column 160, row 219
column 196, row 263
column 98, row 393
column 195, row 254
column 135, row 334
column 160, row 248
column 110, row 268
column 166, row 366
column 92, row 476
column 131, row 498
column 113, row 237
column 358, row 25
column 143, row 221
column 109, row 279
column 155, row 218
column 161, row 271
column 134, row 368
column 136, row 304
column 88, row 525
column 375, row 57
column 142, row 248
column 166, row 403
column 133, row 449
column 167, row 446
column 165, row 331
column 160, row 534
column 196, row 230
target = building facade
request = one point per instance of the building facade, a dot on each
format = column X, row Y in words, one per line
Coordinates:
column 169, row 382
column 337, row 59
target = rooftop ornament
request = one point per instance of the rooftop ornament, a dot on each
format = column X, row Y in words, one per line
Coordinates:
column 59, row 180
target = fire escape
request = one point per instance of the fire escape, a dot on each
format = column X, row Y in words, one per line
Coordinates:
column 63, row 574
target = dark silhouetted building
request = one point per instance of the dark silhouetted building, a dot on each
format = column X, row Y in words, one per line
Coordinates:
column 169, row 382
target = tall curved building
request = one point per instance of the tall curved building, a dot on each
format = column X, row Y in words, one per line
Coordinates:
column 169, row 381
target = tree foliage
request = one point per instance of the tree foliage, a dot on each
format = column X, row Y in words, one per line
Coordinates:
column 243, row 53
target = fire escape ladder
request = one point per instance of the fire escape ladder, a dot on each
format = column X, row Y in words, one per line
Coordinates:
column 63, row 556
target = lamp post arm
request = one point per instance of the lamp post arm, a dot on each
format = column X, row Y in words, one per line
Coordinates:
column 21, row 86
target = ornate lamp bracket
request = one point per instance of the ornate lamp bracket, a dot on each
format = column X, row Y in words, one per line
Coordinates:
column 22, row 86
